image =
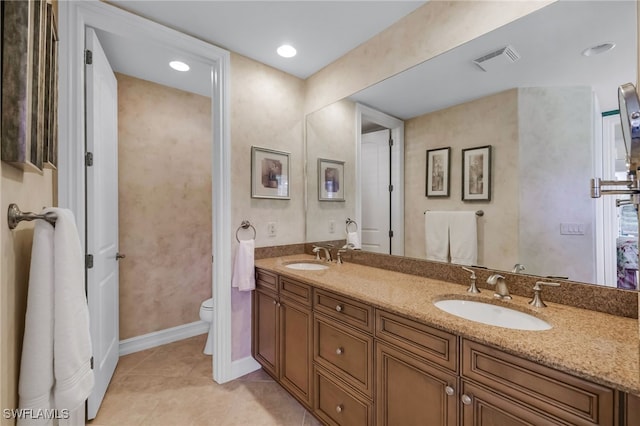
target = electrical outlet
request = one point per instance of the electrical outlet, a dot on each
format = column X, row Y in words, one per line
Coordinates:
column 271, row 229
column 332, row 226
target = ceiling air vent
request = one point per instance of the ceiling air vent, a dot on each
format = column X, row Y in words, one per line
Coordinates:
column 498, row 59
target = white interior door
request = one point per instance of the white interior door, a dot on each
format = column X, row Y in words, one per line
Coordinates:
column 102, row 217
column 376, row 198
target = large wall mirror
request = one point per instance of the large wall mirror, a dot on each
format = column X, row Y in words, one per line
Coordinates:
column 547, row 107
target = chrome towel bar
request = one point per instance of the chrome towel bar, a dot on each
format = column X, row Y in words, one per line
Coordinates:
column 15, row 216
column 478, row 213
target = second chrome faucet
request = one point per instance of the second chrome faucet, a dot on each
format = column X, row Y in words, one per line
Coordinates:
column 502, row 291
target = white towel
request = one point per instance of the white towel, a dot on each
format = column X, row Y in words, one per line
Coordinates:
column 436, row 226
column 352, row 237
column 463, row 236
column 72, row 340
column 56, row 359
column 244, row 275
column 36, row 381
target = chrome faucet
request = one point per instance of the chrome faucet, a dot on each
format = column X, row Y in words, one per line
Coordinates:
column 517, row 268
column 327, row 253
column 345, row 248
column 537, row 291
column 472, row 288
column 502, row 292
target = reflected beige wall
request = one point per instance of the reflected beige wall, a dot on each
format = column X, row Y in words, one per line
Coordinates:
column 430, row 30
column 492, row 120
column 266, row 111
column 164, row 194
column 330, row 135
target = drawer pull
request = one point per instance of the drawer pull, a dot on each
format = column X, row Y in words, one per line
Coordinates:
column 339, row 308
column 339, row 351
column 339, row 408
column 449, row 390
column 466, row 399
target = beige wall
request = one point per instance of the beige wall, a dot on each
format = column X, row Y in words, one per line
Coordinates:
column 164, row 172
column 266, row 111
column 31, row 192
column 430, row 30
column 330, row 134
column 492, row 120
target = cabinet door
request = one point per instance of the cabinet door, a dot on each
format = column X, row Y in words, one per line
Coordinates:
column 265, row 330
column 295, row 350
column 413, row 392
column 482, row 407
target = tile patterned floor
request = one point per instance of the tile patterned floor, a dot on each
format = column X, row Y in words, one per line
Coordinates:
column 172, row 385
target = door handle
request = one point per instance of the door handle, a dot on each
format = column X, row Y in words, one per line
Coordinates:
column 120, row 256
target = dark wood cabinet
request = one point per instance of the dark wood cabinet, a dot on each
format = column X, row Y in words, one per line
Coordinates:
column 410, row 391
column 355, row 365
column 281, row 333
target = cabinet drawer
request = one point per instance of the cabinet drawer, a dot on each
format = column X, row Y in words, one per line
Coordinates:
column 344, row 309
column 295, row 290
column 427, row 342
column 335, row 405
column 345, row 351
column 266, row 280
column 561, row 395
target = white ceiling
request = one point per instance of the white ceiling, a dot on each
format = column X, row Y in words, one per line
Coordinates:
column 549, row 41
column 321, row 31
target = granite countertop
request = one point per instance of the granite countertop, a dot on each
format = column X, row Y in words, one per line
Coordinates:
column 598, row 347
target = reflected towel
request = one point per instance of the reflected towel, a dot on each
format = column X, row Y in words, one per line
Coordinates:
column 244, row 276
column 463, row 236
column 352, row 237
column 436, row 228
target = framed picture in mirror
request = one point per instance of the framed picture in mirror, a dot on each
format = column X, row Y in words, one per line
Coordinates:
column 330, row 180
column 438, row 172
column 476, row 174
column 269, row 173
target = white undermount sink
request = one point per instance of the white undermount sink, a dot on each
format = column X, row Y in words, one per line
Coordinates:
column 490, row 314
column 306, row 266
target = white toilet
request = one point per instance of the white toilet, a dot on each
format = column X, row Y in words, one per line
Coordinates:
column 206, row 314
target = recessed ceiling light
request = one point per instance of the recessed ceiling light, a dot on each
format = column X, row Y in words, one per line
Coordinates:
column 600, row 48
column 179, row 66
column 287, row 51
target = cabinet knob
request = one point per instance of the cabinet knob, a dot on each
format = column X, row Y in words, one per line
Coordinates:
column 339, row 408
column 339, row 351
column 339, row 308
column 278, row 304
column 466, row 399
column 274, row 302
column 449, row 390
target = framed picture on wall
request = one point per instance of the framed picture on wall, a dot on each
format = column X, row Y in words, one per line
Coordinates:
column 438, row 166
column 269, row 173
column 476, row 174
column 330, row 180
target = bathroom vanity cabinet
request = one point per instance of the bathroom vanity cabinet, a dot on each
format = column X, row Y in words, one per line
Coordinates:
column 282, row 329
column 352, row 364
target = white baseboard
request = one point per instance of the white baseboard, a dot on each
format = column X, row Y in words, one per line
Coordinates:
column 241, row 367
column 162, row 337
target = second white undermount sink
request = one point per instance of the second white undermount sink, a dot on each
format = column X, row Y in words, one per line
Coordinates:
column 491, row 314
column 306, row 266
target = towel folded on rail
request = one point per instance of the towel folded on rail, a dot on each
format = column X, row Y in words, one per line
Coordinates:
column 437, row 235
column 56, row 354
column 463, row 237
column 243, row 276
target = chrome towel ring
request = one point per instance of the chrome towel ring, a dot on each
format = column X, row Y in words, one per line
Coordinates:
column 245, row 225
column 351, row 222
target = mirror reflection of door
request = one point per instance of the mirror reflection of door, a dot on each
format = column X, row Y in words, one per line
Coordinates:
column 619, row 249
